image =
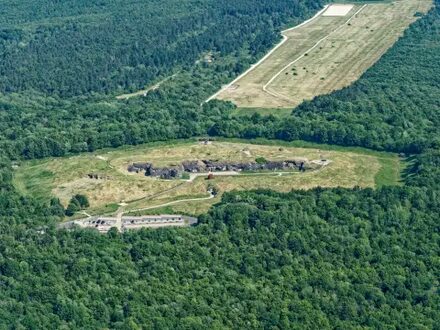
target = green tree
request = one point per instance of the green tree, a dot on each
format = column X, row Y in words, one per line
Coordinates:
column 73, row 207
column 56, row 208
column 83, row 201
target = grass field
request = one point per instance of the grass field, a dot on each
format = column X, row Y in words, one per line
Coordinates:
column 324, row 55
column 64, row 177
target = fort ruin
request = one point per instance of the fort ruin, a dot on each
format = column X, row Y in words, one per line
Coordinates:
column 212, row 166
column 126, row 223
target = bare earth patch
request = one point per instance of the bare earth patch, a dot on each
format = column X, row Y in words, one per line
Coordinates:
column 338, row 10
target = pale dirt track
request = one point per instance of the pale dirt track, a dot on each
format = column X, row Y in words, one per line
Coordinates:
column 193, row 176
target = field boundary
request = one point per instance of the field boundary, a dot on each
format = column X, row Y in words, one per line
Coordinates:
column 120, row 193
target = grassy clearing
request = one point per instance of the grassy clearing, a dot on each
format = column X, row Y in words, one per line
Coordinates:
column 309, row 145
column 38, row 181
column 333, row 64
column 64, row 177
column 391, row 170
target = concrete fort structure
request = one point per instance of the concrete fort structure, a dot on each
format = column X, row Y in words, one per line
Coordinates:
column 152, row 221
column 125, row 223
column 208, row 166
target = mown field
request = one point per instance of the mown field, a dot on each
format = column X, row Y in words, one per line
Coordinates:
column 64, row 177
column 327, row 54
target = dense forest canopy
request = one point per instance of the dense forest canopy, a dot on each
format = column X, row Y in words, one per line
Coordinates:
column 60, row 60
column 387, row 109
column 325, row 258
column 72, row 48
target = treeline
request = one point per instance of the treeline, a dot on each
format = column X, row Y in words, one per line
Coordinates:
column 425, row 170
column 84, row 47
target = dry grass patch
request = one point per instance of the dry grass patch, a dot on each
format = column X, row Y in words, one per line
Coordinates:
column 64, row 177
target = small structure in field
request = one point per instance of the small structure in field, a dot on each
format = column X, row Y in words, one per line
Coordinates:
column 102, row 224
column 97, row 176
column 206, row 141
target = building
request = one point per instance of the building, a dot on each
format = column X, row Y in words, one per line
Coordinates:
column 152, row 221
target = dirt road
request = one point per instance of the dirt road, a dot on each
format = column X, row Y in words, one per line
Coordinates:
column 254, row 66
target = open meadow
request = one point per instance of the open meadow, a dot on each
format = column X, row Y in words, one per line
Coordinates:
column 327, row 53
column 64, row 177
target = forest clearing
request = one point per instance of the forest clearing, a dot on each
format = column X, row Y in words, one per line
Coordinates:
column 128, row 201
column 329, row 52
column 103, row 177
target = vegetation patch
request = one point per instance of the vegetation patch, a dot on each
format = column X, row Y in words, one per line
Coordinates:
column 112, row 183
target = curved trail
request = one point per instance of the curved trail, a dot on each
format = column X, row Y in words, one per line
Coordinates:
column 211, row 196
column 254, row 66
column 277, row 95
